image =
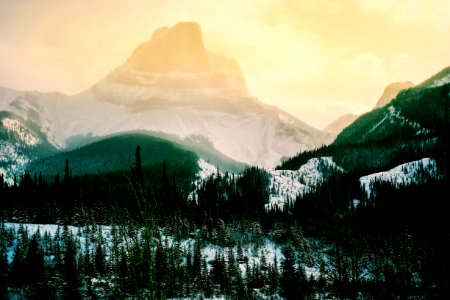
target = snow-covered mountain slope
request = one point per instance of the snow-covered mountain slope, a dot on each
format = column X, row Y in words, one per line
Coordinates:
column 415, row 113
column 439, row 79
column 173, row 85
column 20, row 143
column 286, row 185
column 393, row 116
column 402, row 175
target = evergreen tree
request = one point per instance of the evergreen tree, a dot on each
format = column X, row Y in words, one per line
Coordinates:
column 100, row 260
column 273, row 276
column 70, row 270
column 288, row 278
column 18, row 265
column 137, row 168
column 240, row 253
column 34, row 261
column 197, row 260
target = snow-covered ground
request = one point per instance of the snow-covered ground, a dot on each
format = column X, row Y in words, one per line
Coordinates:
column 403, row 174
column 87, row 238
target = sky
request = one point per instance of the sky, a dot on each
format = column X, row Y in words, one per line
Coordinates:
column 315, row 59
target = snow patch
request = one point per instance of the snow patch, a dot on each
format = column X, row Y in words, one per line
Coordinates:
column 206, row 169
column 404, row 174
column 23, row 133
column 393, row 115
column 286, row 185
column 441, row 81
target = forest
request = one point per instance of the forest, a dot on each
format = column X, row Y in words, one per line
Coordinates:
column 137, row 234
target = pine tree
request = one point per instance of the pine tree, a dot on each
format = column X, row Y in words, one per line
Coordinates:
column 206, row 280
column 240, row 253
column 123, row 265
column 197, row 260
column 3, row 269
column 263, row 263
column 274, row 275
column 70, row 270
column 34, row 261
column 137, row 168
column 288, row 278
column 160, row 271
column 18, row 265
column 99, row 260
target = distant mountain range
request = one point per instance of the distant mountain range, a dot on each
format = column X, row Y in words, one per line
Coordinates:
column 172, row 88
column 169, row 85
column 412, row 126
column 419, row 112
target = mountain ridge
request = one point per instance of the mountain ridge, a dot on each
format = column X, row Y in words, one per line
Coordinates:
column 189, row 93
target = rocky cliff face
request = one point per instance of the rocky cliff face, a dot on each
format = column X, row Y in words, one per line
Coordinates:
column 175, row 60
column 172, row 84
column 179, row 49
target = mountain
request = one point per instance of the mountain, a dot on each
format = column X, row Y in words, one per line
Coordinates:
column 413, row 126
column 391, row 91
column 415, row 113
column 174, row 86
column 335, row 127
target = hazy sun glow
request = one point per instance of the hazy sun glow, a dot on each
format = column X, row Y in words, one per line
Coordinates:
column 315, row 59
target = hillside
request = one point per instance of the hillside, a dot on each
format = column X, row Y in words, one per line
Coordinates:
column 20, row 143
column 116, row 154
column 414, row 113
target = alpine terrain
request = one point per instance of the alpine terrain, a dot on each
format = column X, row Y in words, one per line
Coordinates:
column 170, row 84
column 158, row 182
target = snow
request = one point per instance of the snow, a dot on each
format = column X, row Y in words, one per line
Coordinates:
column 239, row 126
column 393, row 115
column 12, row 161
column 251, row 251
column 23, row 133
column 403, row 174
column 286, row 185
column 441, row 81
column 206, row 169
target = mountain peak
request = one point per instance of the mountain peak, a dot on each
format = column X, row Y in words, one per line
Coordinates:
column 391, row 91
column 176, row 49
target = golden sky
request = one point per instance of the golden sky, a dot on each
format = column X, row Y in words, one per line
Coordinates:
column 315, row 59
